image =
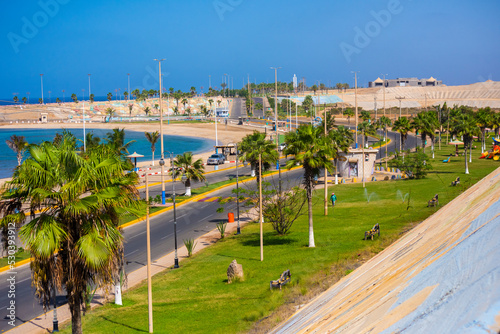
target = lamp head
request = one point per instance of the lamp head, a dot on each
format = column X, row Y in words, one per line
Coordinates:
column 162, row 162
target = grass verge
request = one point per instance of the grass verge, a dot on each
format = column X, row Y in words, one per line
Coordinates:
column 197, row 299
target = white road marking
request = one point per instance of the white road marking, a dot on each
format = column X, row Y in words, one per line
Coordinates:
column 131, row 253
column 138, row 234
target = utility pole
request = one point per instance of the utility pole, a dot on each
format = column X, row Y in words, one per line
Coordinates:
column 400, row 98
column 384, row 93
column 356, row 105
column 326, row 172
column 148, row 246
column 276, row 123
column 41, row 78
column 161, row 138
column 260, row 210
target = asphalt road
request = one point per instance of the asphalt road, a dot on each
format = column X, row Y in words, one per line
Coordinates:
column 193, row 220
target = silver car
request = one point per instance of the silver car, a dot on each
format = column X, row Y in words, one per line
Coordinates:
column 216, row 159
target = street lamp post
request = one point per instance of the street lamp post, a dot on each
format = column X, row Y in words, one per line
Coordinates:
column 176, row 259
column 161, row 137
column 356, row 105
column 128, row 77
column 276, row 123
column 89, row 87
column 238, row 231
column 400, row 98
column 384, row 93
column 41, row 79
column 148, row 246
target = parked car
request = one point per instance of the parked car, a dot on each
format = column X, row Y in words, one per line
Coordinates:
column 216, row 159
column 282, row 146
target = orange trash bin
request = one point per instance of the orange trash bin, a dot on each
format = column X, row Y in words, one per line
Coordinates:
column 230, row 217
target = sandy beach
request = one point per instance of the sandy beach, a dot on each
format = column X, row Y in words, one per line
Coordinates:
column 226, row 135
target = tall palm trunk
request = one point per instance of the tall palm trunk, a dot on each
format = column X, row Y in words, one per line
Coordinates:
column 309, row 192
column 466, row 165
column 187, row 184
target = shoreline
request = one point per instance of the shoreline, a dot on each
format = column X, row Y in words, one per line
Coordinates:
column 225, row 135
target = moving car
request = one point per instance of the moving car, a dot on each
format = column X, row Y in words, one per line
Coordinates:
column 216, row 159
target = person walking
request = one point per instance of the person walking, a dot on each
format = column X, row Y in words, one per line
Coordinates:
column 333, row 198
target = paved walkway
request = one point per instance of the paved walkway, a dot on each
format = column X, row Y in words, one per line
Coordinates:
column 441, row 277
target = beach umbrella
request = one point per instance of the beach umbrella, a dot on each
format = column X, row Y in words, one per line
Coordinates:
column 135, row 155
column 456, row 143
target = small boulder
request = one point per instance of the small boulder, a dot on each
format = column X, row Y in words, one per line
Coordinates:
column 234, row 271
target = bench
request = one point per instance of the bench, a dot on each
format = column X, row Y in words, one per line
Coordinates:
column 457, row 181
column 375, row 230
column 434, row 201
column 284, row 278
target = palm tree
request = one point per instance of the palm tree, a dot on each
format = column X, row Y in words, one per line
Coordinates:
column 41, row 101
column 146, row 110
column 254, row 144
column 130, row 107
column 190, row 170
column 125, row 94
column 58, row 100
column 135, row 93
column 109, row 96
column 403, row 126
column 24, row 99
column 314, row 88
column 365, row 129
column 340, row 138
column 16, row 99
column 91, row 98
column 211, row 102
column 495, row 123
column 464, row 124
column 110, row 112
column 349, row 113
column 484, row 118
column 152, row 137
column 421, row 124
column 432, row 126
column 91, row 141
column 313, row 151
column 80, row 201
column 193, row 91
column 219, row 102
column 17, row 144
column 74, row 98
column 364, row 115
column 116, row 140
column 184, row 102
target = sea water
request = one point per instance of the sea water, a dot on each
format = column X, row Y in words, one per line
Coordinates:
column 174, row 144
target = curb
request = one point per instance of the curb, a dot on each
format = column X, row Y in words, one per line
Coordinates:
column 135, row 221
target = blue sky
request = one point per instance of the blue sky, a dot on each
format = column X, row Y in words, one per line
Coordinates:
column 453, row 40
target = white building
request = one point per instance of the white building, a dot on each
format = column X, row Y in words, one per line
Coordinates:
column 357, row 162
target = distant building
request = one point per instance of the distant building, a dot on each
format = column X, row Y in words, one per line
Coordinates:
column 294, row 83
column 405, row 82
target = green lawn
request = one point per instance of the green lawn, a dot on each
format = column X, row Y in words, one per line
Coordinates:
column 20, row 255
column 197, row 299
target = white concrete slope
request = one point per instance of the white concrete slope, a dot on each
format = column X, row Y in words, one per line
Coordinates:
column 441, row 277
